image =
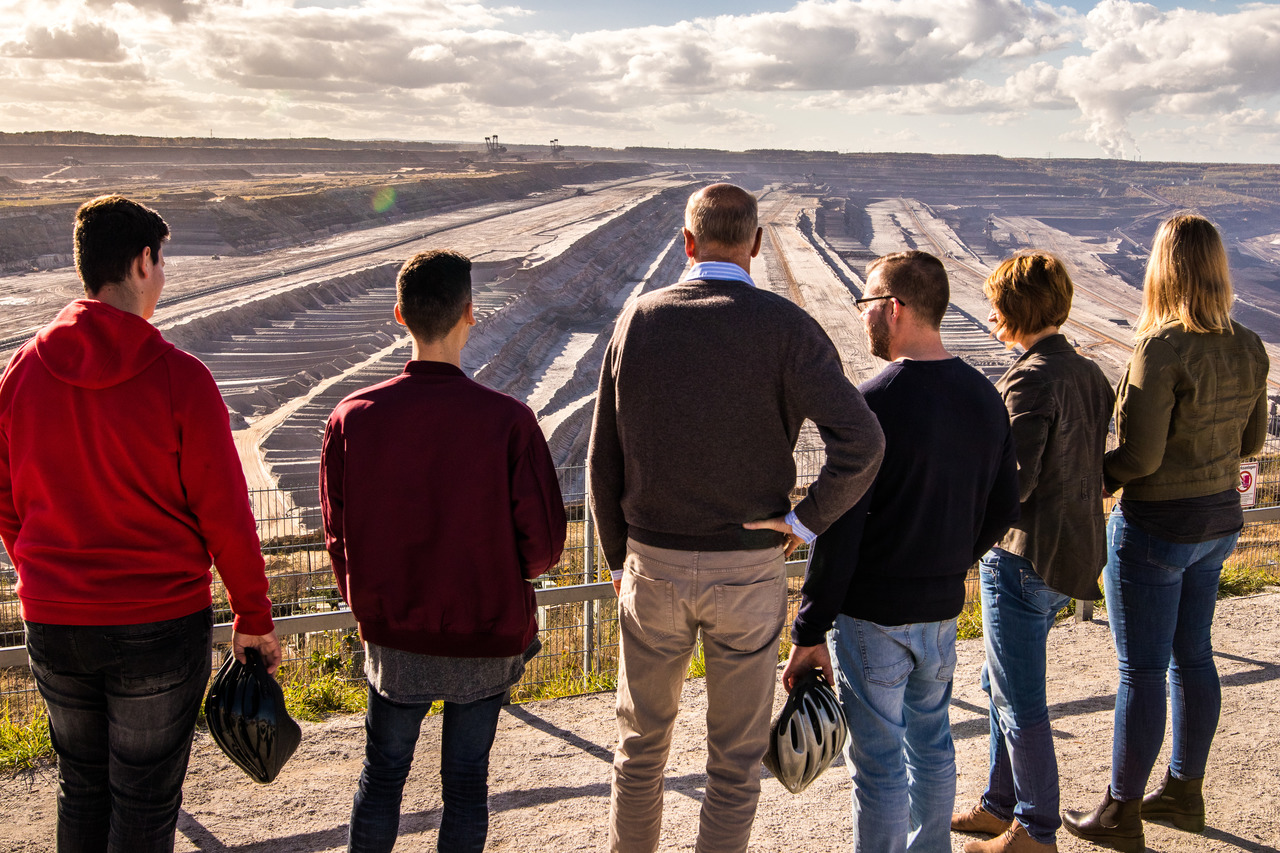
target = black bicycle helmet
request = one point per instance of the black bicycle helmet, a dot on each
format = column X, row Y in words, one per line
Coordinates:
column 247, row 718
column 807, row 734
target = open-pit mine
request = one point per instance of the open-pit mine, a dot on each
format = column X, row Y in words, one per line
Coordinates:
column 282, row 264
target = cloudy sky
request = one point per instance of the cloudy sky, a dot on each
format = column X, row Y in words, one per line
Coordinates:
column 1197, row 80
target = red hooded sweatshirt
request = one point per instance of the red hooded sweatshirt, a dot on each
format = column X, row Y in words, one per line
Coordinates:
column 119, row 479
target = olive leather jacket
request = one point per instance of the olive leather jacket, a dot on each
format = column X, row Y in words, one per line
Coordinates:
column 1190, row 405
column 1059, row 404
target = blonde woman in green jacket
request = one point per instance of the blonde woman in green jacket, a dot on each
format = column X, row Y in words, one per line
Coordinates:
column 1192, row 402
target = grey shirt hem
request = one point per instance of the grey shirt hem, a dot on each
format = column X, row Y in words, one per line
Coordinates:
column 411, row 678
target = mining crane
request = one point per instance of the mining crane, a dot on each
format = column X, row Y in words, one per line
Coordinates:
column 495, row 150
column 557, row 150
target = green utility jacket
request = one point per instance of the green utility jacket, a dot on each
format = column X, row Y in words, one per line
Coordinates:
column 1189, row 406
column 1059, row 405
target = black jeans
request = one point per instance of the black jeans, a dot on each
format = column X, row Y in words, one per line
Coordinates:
column 123, row 702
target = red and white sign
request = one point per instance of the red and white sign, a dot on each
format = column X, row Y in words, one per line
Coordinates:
column 1248, row 487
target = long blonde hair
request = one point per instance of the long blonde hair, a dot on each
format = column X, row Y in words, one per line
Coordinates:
column 1187, row 279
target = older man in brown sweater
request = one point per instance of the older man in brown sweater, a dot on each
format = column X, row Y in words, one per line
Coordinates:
column 702, row 393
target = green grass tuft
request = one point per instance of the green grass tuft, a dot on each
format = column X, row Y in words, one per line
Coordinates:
column 24, row 745
column 1244, row 580
column 327, row 693
column 568, row 683
column 698, row 666
column 969, row 623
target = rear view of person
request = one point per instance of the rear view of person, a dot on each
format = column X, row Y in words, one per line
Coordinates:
column 1059, row 406
column 119, row 485
column 1192, row 402
column 440, row 504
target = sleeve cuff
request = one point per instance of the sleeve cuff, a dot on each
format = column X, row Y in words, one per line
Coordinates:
column 803, row 635
column 806, row 535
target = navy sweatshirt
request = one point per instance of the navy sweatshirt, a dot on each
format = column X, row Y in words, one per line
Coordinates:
column 945, row 493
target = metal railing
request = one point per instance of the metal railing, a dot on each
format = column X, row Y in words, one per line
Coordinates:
column 577, row 610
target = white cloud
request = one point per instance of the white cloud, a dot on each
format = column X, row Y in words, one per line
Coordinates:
column 1180, row 63
column 83, row 40
column 175, row 10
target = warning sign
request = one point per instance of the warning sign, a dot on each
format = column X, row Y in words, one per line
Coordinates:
column 1248, row 487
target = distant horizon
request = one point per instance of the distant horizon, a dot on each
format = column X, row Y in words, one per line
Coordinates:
column 479, row 145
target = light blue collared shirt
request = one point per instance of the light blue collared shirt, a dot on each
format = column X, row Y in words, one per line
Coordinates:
column 719, row 271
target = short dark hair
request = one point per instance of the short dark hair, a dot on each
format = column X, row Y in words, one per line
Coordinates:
column 111, row 231
column 1032, row 292
column 919, row 280
column 723, row 214
column 433, row 289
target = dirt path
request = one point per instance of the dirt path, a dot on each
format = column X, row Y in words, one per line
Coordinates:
column 550, row 769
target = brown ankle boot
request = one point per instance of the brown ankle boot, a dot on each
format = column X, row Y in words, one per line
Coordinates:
column 1177, row 802
column 1014, row 840
column 1116, row 824
column 980, row 821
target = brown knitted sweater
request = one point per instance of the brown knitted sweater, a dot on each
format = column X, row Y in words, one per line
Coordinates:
column 703, row 390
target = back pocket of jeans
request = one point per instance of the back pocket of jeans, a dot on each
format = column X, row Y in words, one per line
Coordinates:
column 155, row 660
column 647, row 605
column 749, row 616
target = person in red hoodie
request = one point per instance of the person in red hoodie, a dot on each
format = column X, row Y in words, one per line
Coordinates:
column 119, row 486
column 440, row 503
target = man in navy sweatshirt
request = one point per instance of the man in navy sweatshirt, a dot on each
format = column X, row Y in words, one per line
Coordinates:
column 889, row 574
column 440, row 504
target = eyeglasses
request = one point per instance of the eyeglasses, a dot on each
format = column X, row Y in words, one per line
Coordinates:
column 864, row 300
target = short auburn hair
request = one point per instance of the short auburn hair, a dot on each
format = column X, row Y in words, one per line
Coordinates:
column 1032, row 292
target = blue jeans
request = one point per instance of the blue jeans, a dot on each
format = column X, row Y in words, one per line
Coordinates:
column 1017, row 612
column 1160, row 600
column 123, row 701
column 895, row 686
column 391, row 733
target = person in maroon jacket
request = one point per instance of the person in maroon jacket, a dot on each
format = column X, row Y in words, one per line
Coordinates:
column 440, row 504
column 119, row 485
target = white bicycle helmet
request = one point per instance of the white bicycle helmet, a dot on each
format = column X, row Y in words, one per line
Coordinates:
column 807, row 734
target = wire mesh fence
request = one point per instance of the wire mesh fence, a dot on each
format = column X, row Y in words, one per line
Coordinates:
column 580, row 638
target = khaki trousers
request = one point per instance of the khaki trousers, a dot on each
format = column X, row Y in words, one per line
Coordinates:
column 737, row 601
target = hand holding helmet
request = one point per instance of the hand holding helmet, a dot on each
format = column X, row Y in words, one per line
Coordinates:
column 807, row 734
column 247, row 717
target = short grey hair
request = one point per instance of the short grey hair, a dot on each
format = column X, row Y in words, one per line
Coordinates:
column 722, row 213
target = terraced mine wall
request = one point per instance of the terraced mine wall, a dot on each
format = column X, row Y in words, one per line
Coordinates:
column 580, row 292
column 288, row 357
column 269, row 349
column 203, row 222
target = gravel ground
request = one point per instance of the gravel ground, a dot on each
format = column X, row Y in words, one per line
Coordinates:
column 550, row 768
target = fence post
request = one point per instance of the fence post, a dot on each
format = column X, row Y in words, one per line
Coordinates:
column 1084, row 611
column 588, row 576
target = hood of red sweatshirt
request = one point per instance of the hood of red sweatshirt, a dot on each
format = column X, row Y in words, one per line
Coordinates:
column 93, row 345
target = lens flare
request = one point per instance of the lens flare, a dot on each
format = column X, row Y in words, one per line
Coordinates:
column 384, row 199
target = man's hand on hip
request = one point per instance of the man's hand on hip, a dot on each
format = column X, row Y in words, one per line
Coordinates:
column 779, row 524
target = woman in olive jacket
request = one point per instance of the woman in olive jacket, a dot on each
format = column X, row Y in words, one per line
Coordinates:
column 1191, row 404
column 1059, row 406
